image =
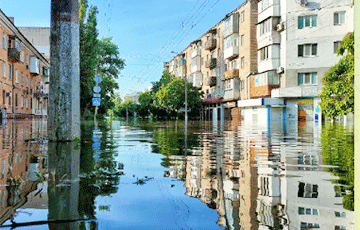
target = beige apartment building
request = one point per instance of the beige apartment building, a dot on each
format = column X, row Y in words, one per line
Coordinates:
column 24, row 74
column 221, row 61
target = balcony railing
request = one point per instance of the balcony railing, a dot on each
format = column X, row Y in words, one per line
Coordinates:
column 211, row 63
column 231, row 74
column 14, row 54
column 210, row 44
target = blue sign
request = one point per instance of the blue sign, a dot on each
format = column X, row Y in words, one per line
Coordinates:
column 96, row 101
column 98, row 79
column 97, row 89
column 96, row 95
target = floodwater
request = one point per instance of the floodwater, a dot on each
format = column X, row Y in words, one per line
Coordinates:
column 159, row 175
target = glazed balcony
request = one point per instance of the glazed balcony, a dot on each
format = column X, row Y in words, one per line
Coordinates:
column 231, row 74
column 211, row 63
column 231, row 52
column 210, row 44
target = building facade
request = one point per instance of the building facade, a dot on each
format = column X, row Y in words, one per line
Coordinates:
column 265, row 60
column 24, row 74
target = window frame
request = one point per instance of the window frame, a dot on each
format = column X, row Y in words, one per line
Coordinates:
column 303, row 48
column 302, row 21
column 310, row 80
column 339, row 22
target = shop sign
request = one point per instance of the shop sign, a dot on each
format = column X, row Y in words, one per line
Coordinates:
column 305, row 101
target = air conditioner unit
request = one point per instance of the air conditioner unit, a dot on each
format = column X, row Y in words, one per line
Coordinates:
column 280, row 27
column 303, row 2
column 280, row 70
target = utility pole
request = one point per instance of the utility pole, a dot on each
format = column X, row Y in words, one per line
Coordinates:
column 64, row 89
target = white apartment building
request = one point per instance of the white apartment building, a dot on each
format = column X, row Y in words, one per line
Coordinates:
column 297, row 41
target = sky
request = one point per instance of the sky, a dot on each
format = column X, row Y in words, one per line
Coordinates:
column 147, row 32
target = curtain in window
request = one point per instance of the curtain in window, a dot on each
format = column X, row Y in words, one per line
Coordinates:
column 300, row 22
column 314, row 21
column 313, row 78
column 300, row 78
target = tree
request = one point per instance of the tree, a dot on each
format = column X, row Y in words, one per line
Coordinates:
column 96, row 57
column 171, row 97
column 337, row 97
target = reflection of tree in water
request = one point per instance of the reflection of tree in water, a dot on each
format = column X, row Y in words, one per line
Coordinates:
column 98, row 177
column 169, row 137
column 338, row 150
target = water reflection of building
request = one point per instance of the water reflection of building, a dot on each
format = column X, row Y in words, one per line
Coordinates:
column 308, row 195
column 22, row 160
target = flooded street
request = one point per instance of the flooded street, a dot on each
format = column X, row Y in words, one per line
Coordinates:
column 154, row 175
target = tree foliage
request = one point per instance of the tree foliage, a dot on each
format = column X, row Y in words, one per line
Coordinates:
column 97, row 57
column 337, row 97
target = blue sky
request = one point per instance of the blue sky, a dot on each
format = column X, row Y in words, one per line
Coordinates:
column 146, row 31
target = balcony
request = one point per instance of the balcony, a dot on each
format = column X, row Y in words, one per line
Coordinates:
column 195, row 52
column 231, row 25
column 14, row 54
column 231, row 52
column 210, row 44
column 34, row 66
column 197, row 80
column 262, row 84
column 231, row 74
column 211, row 63
column 211, row 81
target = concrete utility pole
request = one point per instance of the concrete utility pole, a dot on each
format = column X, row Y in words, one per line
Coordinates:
column 64, row 91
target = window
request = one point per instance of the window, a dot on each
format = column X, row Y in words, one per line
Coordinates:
column 27, row 81
column 263, row 5
column 31, row 103
column 22, row 56
column 265, row 26
column 22, row 78
column 242, row 40
column 4, row 69
column 228, row 84
column 10, row 98
column 27, row 59
column 16, row 99
column 264, row 53
column 231, row 41
column 340, row 214
column 274, row 78
column 260, row 79
column 307, row 78
column 27, row 102
column 307, row 21
column 307, row 211
column 304, row 225
column 4, row 41
column 307, row 50
column 339, row 18
column 340, row 227
column 242, row 62
column 22, row 102
column 242, row 85
column 242, row 16
column 336, row 45
column 10, row 72
column 308, row 190
column 16, row 76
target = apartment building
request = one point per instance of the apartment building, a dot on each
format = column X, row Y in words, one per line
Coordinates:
column 220, row 62
column 296, row 47
column 24, row 73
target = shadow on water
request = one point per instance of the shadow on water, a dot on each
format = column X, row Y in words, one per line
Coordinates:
column 241, row 177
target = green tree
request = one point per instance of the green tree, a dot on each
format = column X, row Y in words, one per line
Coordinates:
column 338, row 150
column 171, row 96
column 146, row 104
column 337, row 96
column 96, row 57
